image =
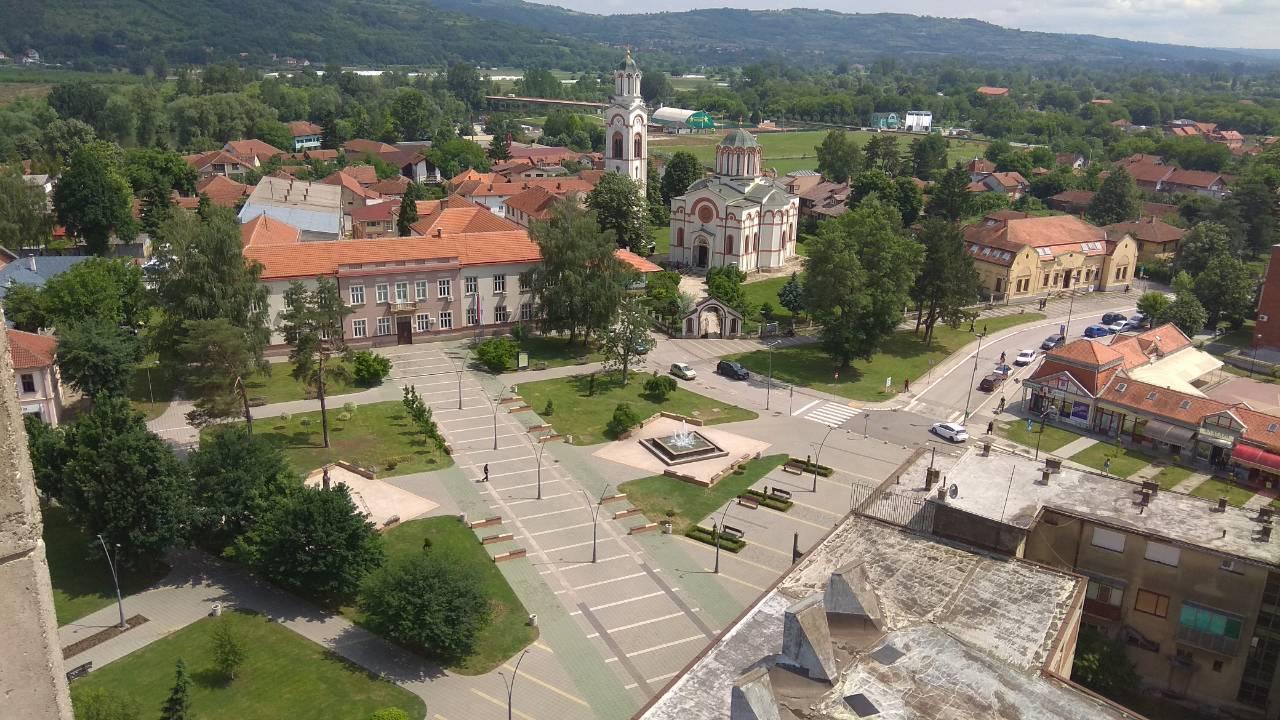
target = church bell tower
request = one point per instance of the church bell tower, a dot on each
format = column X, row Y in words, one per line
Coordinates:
column 626, row 142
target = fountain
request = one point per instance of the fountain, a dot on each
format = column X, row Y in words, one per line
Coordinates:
column 683, row 446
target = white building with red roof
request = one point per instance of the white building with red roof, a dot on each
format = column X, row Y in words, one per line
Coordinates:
column 39, row 387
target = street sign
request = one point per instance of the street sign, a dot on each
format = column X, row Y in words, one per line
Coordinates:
column 1030, row 423
column 888, row 382
column 522, row 360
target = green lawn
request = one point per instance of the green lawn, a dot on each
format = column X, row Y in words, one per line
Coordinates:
column 279, row 386
column 584, row 417
column 1214, row 488
column 78, row 571
column 1123, row 462
column 152, row 387
column 555, row 351
column 902, row 355
column 284, row 675
column 374, row 436
column 686, row 504
column 1170, row 476
column 790, row 151
column 508, row 631
column 661, row 240
column 1054, row 437
column 766, row 291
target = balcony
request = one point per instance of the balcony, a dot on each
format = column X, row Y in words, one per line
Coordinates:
column 1213, row 642
column 403, row 307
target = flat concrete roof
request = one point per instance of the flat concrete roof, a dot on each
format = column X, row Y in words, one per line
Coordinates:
column 975, row 630
column 1004, row 486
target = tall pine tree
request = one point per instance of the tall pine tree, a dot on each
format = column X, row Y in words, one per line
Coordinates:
column 178, row 704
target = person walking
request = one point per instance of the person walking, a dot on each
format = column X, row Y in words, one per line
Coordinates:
column 991, row 426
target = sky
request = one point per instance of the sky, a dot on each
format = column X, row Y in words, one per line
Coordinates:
column 1207, row 23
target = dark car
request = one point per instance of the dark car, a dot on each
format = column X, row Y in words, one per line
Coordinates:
column 991, row 382
column 1113, row 317
column 1097, row 331
column 732, row 370
column 1053, row 341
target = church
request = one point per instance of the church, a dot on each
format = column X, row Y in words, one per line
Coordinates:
column 626, row 147
column 738, row 216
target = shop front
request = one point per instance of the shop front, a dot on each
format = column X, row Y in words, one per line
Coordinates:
column 1218, row 435
column 1059, row 402
column 1256, row 466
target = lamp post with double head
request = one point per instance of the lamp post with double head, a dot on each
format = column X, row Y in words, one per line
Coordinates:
column 511, row 684
column 115, row 578
column 595, row 513
column 818, row 456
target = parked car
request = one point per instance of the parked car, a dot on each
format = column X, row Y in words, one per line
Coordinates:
column 1137, row 321
column 1003, row 369
column 1113, row 317
column 1052, row 342
column 954, row 432
column 1025, row 357
column 732, row 370
column 683, row 371
column 991, row 382
column 1118, row 326
column 1097, row 331
column 643, row 346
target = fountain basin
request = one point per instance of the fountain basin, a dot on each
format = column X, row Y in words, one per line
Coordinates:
column 685, row 447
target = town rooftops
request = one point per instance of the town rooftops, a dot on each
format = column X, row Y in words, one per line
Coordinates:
column 348, row 182
column 1148, row 230
column 222, row 191
column 1008, row 232
column 252, row 149
column 31, row 351
column 535, row 202
column 35, row 270
column 313, row 207
column 993, row 91
column 395, row 186
column 201, row 161
column 302, row 128
column 635, row 261
column 262, row 230
column 450, row 219
column 360, row 148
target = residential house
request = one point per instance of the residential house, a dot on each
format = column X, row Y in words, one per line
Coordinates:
column 798, row 181
column 218, row 162
column 1075, row 161
column 374, row 221
column 530, row 205
column 354, row 195
column 306, row 135
column 39, row 387
column 979, row 168
column 1231, row 138
column 1198, row 182
column 392, row 187
column 1020, row 256
column 366, row 175
column 988, row 91
column 316, row 209
column 320, row 154
column 1012, row 184
column 1077, row 202
column 494, row 195
column 412, row 161
column 32, row 270
column 544, row 155
column 254, row 153
column 1157, row 240
column 221, row 190
column 824, row 200
column 357, row 150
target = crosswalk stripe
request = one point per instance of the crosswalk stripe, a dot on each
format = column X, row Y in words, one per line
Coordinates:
column 830, row 414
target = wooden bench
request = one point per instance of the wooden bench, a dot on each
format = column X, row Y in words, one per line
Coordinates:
column 748, row 501
column 79, row 671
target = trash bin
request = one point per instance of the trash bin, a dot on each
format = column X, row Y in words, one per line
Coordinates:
column 217, row 610
column 533, row 620
column 666, row 527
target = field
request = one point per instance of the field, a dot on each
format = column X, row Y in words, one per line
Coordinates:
column 792, row 151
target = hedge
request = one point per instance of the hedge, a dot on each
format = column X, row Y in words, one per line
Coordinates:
column 769, row 501
column 808, row 467
column 703, row 535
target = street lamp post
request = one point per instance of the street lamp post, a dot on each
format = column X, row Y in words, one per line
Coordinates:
column 818, row 456
column 511, row 684
column 595, row 513
column 866, row 422
column 114, row 579
column 541, row 447
column 1071, row 306
column 495, row 402
column 1043, row 419
column 769, row 388
column 715, row 535
column 973, row 376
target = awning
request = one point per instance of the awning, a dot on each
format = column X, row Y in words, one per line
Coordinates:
column 1178, row 371
column 1256, row 457
column 1172, row 434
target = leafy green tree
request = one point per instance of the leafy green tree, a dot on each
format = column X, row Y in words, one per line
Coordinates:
column 655, row 86
column 93, row 198
column 1102, row 664
column 683, row 170
column 369, row 368
column 658, row 387
column 217, row 361
column 1256, row 204
column 724, row 283
column 104, row 704
column 158, row 170
column 60, row 138
column 312, row 326
column 456, row 155
column 858, row 278
column 428, row 602
column 235, row 478
column 47, row 448
column 628, row 338
column 1116, row 201
column 928, row 155
column 25, row 222
column 497, row 354
column 791, row 296
column 950, row 198
column 24, row 306
column 621, row 210
column 883, row 153
column 1185, row 311
column 228, row 648
column 839, row 156
column 624, row 418
column 122, row 481
column 659, row 212
column 1206, row 241
column 499, row 148
column 466, row 84
column 420, row 414
column 314, row 541
column 413, row 113
column 109, row 289
column 909, row 198
column 1225, row 289
column 1046, row 186
column 947, row 282
column 178, row 705
column 97, row 358
column 580, row 282
column 1152, row 304
column 408, row 215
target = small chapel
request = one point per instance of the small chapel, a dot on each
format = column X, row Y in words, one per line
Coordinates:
column 738, row 216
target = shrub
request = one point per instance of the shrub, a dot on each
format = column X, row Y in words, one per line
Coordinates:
column 344, row 416
column 549, row 410
column 624, row 418
column 349, row 407
column 659, row 387
column 391, row 713
column 369, row 368
column 305, row 422
column 429, row 603
column 497, row 354
column 520, row 332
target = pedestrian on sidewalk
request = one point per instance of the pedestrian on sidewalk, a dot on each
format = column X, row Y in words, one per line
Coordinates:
column 1001, row 357
column 991, row 426
column 486, row 473
column 906, row 385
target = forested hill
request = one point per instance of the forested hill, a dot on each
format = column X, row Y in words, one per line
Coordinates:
column 728, row 36
column 402, row 32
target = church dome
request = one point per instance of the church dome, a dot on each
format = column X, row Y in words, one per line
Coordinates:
column 628, row 63
column 740, row 139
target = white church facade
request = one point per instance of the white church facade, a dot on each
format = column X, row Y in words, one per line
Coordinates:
column 738, row 217
column 626, row 146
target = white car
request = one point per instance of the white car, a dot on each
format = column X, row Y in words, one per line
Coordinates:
column 954, row 432
column 683, row 371
column 1025, row 357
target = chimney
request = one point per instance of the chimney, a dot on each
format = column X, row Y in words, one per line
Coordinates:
column 439, row 232
column 1222, row 504
column 1266, row 533
column 31, row 263
column 1044, row 476
column 806, row 639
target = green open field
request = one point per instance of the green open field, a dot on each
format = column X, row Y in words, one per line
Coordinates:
column 1214, row 488
column 1053, row 438
column 1123, row 462
column 685, row 504
column 284, row 676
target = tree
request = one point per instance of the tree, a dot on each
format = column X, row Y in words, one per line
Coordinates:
column 104, row 704
column 624, row 418
column 413, row 113
column 217, row 360
column 655, row 87
column 950, row 198
column 109, row 289
column 93, row 198
column 620, row 210
column 928, row 155
column 97, row 358
column 883, row 153
column 1255, row 202
column 25, row 222
column 1116, row 201
column 947, row 282
column 858, row 278
column 122, row 481
column 314, row 541
column 466, row 84
column 658, row 387
column 1152, row 304
column 1205, row 242
column 235, row 478
column 455, row 155
column 580, row 282
column 1185, row 311
column 369, row 368
column 499, row 148
column 683, row 170
column 47, row 448
column 1102, row 664
column 909, row 198
column 178, row 704
column 497, row 354
column 628, row 338
column 659, row 212
column 420, row 415
column 791, row 296
column 312, row 326
column 838, row 156
column 228, row 648
column 408, row 214
column 24, row 306
column 429, row 602
column 724, row 283
column 1225, row 288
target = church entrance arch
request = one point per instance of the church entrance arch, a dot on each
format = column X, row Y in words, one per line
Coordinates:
column 702, row 251
column 711, row 322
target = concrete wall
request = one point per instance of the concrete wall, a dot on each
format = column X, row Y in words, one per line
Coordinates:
column 955, row 524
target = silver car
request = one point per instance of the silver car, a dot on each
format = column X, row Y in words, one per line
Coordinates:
column 683, row 371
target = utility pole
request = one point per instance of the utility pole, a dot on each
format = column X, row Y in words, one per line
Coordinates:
column 973, row 376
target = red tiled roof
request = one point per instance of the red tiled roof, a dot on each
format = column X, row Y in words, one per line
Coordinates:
column 980, row 165
column 993, row 91
column 320, row 154
column 535, row 202
column 300, row 128
column 1161, row 402
column 311, row 259
column 347, row 182
column 1194, row 178
column 635, row 261
column 364, row 174
column 253, row 148
column 1144, row 172
column 470, row 219
column 1147, row 230
column 377, row 212
column 391, row 186
column 222, row 191
column 262, row 231
column 558, row 186
column 1086, row 352
column 366, row 147
column 1009, row 180
column 1091, row 380
column 31, row 351
column 213, row 157
column 1060, row 233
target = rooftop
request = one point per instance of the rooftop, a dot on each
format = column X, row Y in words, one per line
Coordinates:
column 314, row 207
column 740, row 138
column 30, row 350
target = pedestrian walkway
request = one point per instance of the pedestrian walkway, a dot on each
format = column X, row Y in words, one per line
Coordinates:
column 1191, row 483
column 828, row 413
column 1075, row 447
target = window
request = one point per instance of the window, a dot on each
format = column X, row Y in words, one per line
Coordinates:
column 679, row 237
column 526, row 312
column 384, row 325
column 380, row 292
column 445, row 322
column 359, row 328
column 1046, row 280
column 617, row 146
column 420, row 290
column 500, row 314
column 473, row 316
column 471, row 285
column 402, row 292
column 444, row 288
column 1217, row 666
column 1202, row 619
column 422, row 322
column 1185, row 405
column 1104, row 593
column 356, row 293
column 1163, row 554
column 28, row 383
column 1152, row 603
column 728, row 245
column 499, row 284
column 639, row 153
column 1108, row 539
column 526, row 282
